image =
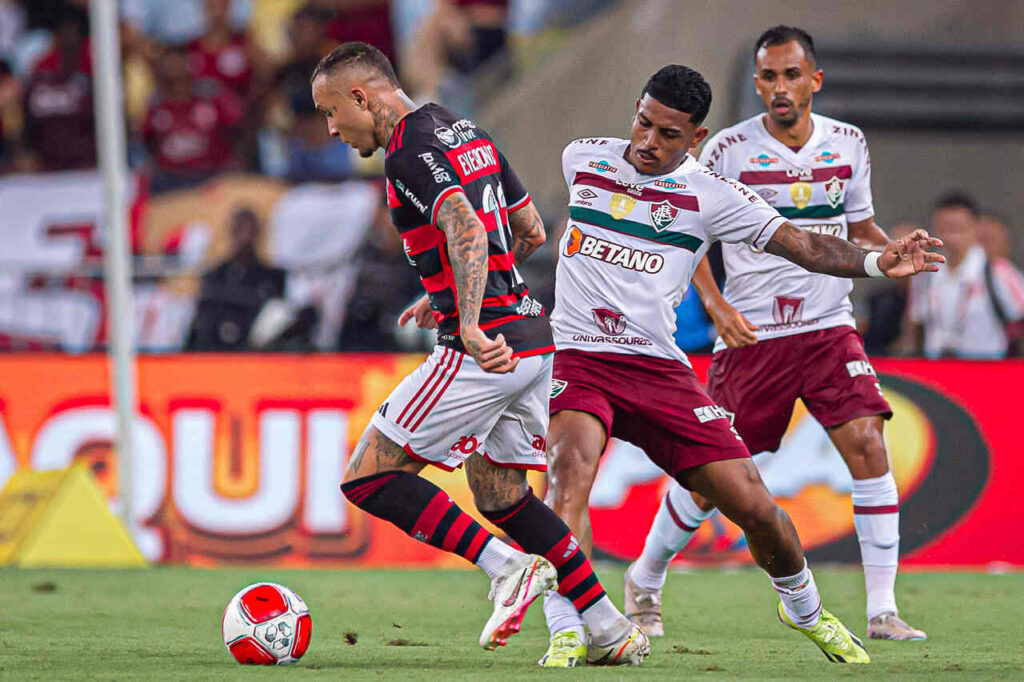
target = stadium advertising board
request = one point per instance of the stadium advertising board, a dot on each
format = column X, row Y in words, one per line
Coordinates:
column 238, row 458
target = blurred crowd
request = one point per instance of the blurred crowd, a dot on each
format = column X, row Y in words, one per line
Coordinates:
column 217, row 87
column 223, row 85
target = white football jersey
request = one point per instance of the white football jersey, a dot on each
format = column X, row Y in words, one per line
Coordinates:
column 822, row 188
column 633, row 242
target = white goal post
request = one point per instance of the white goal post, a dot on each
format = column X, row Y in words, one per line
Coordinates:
column 113, row 161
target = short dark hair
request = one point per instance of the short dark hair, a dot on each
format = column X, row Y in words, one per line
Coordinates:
column 682, row 89
column 357, row 54
column 956, row 199
column 782, row 34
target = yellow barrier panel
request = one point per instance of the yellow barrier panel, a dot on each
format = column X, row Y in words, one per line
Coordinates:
column 60, row 518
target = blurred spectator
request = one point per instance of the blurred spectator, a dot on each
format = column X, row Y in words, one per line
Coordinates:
column 385, row 285
column 972, row 307
column 224, row 60
column 886, row 305
column 12, row 25
column 189, row 137
column 227, row 63
column 59, row 129
column 178, row 21
column 8, row 99
column 366, row 20
column 307, row 152
column 461, row 35
column 994, row 236
column 233, row 293
column 300, row 149
column 307, row 40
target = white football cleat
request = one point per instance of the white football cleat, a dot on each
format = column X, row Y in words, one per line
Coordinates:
column 512, row 593
column 890, row 626
column 643, row 606
column 630, row 649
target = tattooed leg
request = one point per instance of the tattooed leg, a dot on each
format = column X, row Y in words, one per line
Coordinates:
column 382, row 481
column 493, row 487
column 376, row 453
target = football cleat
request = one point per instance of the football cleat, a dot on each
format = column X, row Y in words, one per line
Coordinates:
column 835, row 641
column 512, row 594
column 890, row 626
column 567, row 650
column 630, row 649
column 643, row 606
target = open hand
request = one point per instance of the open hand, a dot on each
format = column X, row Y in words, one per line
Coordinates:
column 494, row 356
column 423, row 313
column 909, row 255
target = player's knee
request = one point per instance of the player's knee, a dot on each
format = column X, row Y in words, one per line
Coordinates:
column 758, row 517
column 865, row 454
column 567, row 497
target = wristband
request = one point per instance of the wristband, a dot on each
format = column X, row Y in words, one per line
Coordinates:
column 871, row 265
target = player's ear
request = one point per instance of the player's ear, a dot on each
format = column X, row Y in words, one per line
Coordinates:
column 817, row 78
column 637, row 105
column 699, row 136
column 360, row 98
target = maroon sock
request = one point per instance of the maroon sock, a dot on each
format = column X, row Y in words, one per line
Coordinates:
column 421, row 509
column 538, row 530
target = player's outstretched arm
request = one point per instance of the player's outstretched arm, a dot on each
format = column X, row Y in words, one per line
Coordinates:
column 830, row 255
column 527, row 231
column 731, row 325
column 467, row 251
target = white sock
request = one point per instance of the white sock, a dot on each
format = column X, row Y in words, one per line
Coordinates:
column 561, row 615
column 675, row 523
column 800, row 597
column 877, row 520
column 495, row 555
column 606, row 623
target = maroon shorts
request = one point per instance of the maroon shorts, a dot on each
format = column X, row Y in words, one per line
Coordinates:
column 827, row 368
column 654, row 403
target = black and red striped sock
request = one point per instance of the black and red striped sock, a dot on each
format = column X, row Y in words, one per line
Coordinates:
column 538, row 530
column 421, row 509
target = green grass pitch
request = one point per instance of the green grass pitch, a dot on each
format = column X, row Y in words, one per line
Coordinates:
column 164, row 623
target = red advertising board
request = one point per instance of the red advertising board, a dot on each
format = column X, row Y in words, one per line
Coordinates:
column 239, row 458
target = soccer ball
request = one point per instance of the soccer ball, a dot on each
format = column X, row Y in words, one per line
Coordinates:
column 267, row 624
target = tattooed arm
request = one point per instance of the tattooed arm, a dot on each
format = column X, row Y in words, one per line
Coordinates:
column 834, row 256
column 527, row 231
column 467, row 251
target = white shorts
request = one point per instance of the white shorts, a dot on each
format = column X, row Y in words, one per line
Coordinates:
column 449, row 408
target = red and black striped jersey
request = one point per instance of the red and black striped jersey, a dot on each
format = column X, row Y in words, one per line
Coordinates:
column 432, row 154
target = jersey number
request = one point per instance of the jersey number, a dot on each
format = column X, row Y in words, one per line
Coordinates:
column 494, row 202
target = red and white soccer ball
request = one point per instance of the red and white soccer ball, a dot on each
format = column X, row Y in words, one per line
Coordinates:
column 267, row 624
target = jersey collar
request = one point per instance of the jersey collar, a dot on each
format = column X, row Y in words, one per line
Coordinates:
column 783, row 150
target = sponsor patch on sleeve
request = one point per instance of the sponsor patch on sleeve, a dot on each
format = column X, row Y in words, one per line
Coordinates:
column 857, row 368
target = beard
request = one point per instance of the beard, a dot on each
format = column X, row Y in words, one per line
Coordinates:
column 789, row 119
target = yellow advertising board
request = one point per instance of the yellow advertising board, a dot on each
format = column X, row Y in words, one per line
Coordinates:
column 61, row 518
